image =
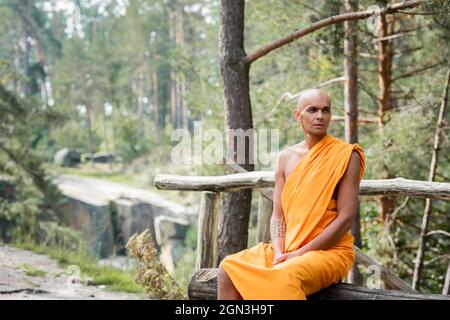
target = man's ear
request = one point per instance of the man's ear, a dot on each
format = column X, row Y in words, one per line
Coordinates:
column 297, row 114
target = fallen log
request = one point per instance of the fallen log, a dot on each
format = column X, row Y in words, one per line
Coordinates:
column 203, row 286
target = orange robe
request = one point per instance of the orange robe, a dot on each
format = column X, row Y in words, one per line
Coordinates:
column 308, row 208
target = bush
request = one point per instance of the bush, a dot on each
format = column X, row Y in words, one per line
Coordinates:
column 151, row 273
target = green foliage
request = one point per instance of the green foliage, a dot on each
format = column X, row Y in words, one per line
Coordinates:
column 127, row 143
column 405, row 144
column 36, row 198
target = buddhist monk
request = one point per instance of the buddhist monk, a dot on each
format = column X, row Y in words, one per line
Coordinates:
column 314, row 204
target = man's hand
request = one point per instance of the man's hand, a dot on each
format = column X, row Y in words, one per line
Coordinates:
column 281, row 257
column 278, row 258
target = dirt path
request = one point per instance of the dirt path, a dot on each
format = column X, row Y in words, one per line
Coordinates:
column 30, row 276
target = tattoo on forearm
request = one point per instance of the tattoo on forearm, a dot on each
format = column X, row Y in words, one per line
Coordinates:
column 278, row 228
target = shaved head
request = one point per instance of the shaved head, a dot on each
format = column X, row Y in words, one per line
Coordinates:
column 311, row 97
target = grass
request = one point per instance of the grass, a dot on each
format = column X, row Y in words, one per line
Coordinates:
column 33, row 271
column 114, row 279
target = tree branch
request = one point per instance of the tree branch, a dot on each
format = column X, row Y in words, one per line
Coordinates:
column 408, row 74
column 366, row 120
column 290, row 96
column 445, row 233
column 250, row 58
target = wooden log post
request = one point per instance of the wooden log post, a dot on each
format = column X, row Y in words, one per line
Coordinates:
column 203, row 286
column 265, row 208
column 207, row 230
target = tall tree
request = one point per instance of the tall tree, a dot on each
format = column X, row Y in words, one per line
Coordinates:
column 233, row 225
column 351, row 111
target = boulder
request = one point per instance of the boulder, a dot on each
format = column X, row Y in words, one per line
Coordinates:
column 170, row 234
column 132, row 216
column 100, row 157
column 67, row 158
column 93, row 220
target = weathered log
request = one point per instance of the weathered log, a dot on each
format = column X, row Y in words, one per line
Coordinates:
column 265, row 207
column 207, row 230
column 232, row 182
column 203, row 286
column 231, row 167
column 266, row 179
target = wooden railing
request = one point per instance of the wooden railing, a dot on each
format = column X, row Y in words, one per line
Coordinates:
column 203, row 282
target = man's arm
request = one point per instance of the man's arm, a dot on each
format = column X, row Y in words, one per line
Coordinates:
column 277, row 223
column 347, row 202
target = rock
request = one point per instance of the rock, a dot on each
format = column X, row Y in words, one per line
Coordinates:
column 100, row 157
column 170, row 234
column 132, row 216
column 126, row 211
column 67, row 158
column 93, row 220
column 89, row 281
column 170, row 228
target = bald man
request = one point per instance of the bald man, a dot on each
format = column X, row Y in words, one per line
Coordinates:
column 315, row 200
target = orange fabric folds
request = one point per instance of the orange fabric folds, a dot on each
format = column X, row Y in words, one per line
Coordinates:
column 308, row 208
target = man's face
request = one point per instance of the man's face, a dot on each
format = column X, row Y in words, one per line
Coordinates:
column 314, row 113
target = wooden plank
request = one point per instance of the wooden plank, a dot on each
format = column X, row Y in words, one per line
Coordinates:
column 265, row 208
column 203, row 286
column 207, row 230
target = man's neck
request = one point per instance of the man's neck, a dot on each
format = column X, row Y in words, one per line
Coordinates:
column 311, row 140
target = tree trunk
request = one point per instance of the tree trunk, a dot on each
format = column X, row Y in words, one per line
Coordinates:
column 428, row 206
column 351, row 112
column 26, row 58
column 139, row 84
column 16, row 68
column 385, row 61
column 179, row 41
column 173, row 82
column 233, row 223
column 155, row 97
column 90, row 137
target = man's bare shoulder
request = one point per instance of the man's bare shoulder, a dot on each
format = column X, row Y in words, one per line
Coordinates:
column 296, row 149
column 284, row 156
